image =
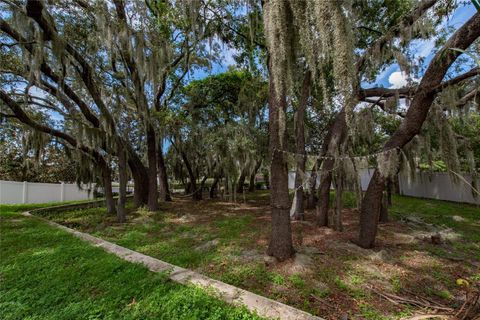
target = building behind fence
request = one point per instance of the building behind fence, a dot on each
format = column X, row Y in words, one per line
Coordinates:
column 12, row 192
column 429, row 185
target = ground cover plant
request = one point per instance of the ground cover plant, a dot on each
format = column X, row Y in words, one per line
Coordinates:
column 329, row 276
column 46, row 273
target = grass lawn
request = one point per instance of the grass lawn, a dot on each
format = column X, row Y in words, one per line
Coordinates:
column 46, row 273
column 331, row 277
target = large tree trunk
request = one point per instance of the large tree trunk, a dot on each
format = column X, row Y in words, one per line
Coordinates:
column 122, row 177
column 335, row 137
column 251, row 185
column 412, row 123
column 152, row 169
column 298, row 209
column 280, row 245
column 162, row 175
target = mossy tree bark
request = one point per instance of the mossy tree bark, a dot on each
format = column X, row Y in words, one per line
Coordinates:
column 280, row 245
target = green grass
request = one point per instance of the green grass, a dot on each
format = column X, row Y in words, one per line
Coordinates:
column 297, row 281
column 175, row 233
column 441, row 213
column 435, row 211
column 369, row 312
column 46, row 273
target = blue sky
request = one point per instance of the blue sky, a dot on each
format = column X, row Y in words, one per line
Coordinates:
column 392, row 76
column 389, row 77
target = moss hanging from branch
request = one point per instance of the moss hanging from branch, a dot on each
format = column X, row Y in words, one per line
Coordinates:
column 321, row 34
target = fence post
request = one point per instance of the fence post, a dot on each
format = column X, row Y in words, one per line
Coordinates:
column 25, row 192
column 62, row 192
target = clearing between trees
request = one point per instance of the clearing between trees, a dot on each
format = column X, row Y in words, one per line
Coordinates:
column 421, row 254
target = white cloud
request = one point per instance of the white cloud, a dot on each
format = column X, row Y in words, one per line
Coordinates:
column 384, row 73
column 398, row 79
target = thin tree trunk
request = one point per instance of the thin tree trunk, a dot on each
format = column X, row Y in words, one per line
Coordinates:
column 107, row 189
column 412, row 123
column 152, row 170
column 234, row 190
column 214, row 186
column 251, row 185
column 162, row 175
column 323, row 202
column 230, row 189
column 357, row 187
column 337, row 221
column 298, row 211
column 140, row 181
column 312, row 186
column 122, row 177
column 266, row 177
column 335, row 137
column 280, row 245
column 202, row 185
column 225, row 187
column 241, row 180
column 196, row 195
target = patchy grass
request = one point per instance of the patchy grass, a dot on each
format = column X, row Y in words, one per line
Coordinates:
column 464, row 219
column 46, row 273
column 227, row 241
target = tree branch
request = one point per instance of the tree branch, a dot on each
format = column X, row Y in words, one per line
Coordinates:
column 407, row 21
column 410, row 91
column 20, row 115
column 36, row 10
column 84, row 108
column 425, row 93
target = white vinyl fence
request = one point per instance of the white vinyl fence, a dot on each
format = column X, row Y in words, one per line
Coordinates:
column 429, row 185
column 440, row 186
column 12, row 192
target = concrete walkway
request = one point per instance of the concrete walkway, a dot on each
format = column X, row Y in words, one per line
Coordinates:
column 262, row 306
